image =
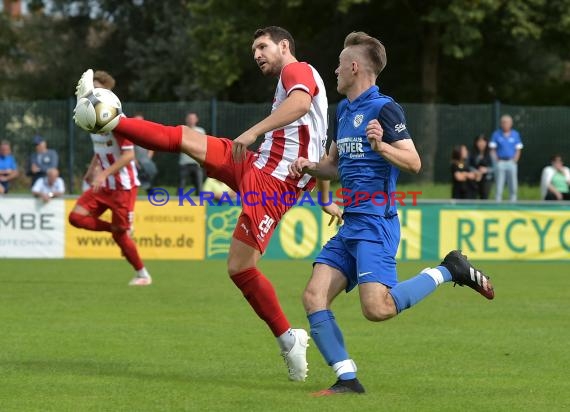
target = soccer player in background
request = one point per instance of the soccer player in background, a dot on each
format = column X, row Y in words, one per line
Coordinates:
column 296, row 127
column 371, row 146
column 112, row 175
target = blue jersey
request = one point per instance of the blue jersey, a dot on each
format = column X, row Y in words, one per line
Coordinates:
column 361, row 169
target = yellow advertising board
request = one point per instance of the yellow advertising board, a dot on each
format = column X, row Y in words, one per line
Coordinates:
column 410, row 234
column 160, row 232
column 506, row 234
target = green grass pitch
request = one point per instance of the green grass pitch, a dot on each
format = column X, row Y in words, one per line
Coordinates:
column 75, row 337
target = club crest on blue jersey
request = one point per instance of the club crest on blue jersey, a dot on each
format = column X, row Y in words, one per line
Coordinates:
column 358, row 120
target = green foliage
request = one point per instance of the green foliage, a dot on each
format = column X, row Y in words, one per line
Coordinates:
column 513, row 50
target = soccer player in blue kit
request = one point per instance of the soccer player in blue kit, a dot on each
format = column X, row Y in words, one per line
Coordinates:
column 371, row 145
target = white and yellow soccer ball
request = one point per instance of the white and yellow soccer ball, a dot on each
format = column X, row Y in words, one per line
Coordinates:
column 99, row 112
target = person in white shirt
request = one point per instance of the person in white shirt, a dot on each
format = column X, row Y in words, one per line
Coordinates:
column 49, row 186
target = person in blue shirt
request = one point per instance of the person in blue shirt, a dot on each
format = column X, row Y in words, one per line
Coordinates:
column 372, row 144
column 41, row 160
column 506, row 148
column 8, row 166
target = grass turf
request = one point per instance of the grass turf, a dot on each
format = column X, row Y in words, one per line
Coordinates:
column 76, row 338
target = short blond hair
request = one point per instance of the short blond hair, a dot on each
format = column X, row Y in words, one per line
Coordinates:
column 373, row 49
column 106, row 80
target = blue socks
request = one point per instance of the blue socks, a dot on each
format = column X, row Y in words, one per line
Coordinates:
column 406, row 294
column 328, row 338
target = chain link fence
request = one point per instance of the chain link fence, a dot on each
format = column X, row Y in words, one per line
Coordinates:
column 435, row 129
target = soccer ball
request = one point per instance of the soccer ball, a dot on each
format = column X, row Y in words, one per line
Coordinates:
column 99, row 112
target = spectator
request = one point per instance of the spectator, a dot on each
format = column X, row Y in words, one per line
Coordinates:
column 8, row 166
column 482, row 161
column 218, row 189
column 188, row 166
column 555, row 180
column 506, row 148
column 49, row 186
column 41, row 159
column 145, row 165
column 463, row 179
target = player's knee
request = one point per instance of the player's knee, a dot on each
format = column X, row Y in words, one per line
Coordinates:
column 118, row 233
column 236, row 266
column 75, row 219
column 378, row 312
column 313, row 300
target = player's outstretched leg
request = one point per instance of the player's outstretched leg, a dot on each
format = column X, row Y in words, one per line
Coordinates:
column 152, row 136
column 465, row 274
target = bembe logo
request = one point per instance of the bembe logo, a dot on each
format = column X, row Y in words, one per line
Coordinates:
column 342, row 197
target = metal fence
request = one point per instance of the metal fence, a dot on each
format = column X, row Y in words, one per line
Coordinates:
column 543, row 130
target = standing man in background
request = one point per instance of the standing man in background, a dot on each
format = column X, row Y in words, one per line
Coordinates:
column 188, row 166
column 506, row 148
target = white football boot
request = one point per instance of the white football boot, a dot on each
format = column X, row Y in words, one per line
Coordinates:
column 141, row 281
column 296, row 358
column 85, row 85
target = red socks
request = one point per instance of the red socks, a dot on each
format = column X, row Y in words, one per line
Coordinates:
column 123, row 239
column 129, row 249
column 89, row 222
column 152, row 136
column 260, row 294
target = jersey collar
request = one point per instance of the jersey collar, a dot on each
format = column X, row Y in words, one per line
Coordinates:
column 363, row 97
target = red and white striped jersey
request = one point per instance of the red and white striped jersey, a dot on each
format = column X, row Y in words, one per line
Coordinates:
column 305, row 137
column 107, row 148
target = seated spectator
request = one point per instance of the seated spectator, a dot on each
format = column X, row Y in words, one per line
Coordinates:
column 218, row 189
column 41, row 159
column 463, row 178
column 8, row 166
column 555, row 180
column 482, row 161
column 49, row 186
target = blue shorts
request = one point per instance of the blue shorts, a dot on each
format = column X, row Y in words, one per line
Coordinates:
column 364, row 249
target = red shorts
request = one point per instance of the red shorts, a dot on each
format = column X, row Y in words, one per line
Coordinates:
column 121, row 203
column 261, row 194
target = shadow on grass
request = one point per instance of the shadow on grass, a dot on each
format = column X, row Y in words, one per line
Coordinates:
column 129, row 370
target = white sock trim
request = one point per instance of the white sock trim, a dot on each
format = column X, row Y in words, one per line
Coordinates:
column 435, row 274
column 344, row 366
column 286, row 340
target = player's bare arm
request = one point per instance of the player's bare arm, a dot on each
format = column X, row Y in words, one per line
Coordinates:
column 326, row 169
column 91, row 170
column 401, row 153
column 127, row 156
column 333, row 210
column 295, row 106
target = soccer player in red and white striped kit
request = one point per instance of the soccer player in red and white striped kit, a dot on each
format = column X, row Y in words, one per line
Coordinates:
column 112, row 175
column 296, row 127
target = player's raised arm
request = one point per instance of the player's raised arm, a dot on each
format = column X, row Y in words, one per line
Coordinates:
column 389, row 137
column 295, row 106
column 401, row 153
column 127, row 156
